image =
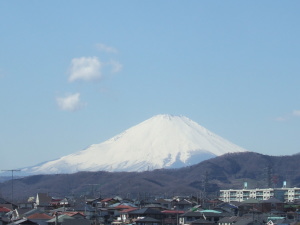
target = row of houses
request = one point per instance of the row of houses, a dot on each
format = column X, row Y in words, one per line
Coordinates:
column 179, row 210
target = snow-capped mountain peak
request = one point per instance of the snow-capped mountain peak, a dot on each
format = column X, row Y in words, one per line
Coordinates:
column 163, row 141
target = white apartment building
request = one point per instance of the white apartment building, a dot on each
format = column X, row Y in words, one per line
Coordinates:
column 283, row 194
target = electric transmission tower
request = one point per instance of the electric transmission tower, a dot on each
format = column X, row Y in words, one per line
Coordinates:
column 12, row 183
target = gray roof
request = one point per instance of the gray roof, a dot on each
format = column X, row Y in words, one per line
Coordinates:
column 22, row 212
column 61, row 218
column 83, row 207
column 144, row 211
column 229, row 219
column 271, row 200
column 23, row 221
column 244, row 221
column 201, row 221
column 250, row 201
column 154, row 205
column 184, row 202
column 43, row 198
column 148, row 219
column 77, row 222
column 32, row 211
column 162, row 201
column 190, row 213
column 3, row 201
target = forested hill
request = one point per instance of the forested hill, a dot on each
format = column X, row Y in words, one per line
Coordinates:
column 223, row 172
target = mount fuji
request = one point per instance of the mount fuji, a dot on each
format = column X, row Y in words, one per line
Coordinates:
column 163, row 141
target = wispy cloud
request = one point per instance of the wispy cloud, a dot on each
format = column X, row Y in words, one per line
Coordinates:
column 288, row 116
column 106, row 48
column 70, row 102
column 281, row 118
column 115, row 66
column 296, row 113
column 85, row 68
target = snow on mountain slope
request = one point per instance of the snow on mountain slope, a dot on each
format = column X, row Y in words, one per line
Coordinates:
column 163, row 141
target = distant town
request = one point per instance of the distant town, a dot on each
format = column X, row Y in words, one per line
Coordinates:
column 244, row 206
column 186, row 196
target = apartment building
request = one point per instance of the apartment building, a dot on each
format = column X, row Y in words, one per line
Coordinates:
column 284, row 194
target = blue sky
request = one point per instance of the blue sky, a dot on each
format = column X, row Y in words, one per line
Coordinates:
column 75, row 73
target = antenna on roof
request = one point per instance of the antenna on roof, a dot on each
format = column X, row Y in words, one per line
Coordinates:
column 12, row 183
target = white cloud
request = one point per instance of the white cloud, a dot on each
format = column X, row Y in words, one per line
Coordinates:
column 115, row 66
column 281, row 118
column 85, row 68
column 295, row 113
column 70, row 103
column 107, row 49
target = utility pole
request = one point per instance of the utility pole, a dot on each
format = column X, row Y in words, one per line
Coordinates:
column 205, row 187
column 12, row 183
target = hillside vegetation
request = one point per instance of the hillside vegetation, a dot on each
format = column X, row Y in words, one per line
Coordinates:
column 223, row 172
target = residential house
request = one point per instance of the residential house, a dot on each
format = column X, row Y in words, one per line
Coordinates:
column 230, row 220
column 183, row 205
column 201, row 222
column 156, row 206
column 3, row 201
column 40, row 218
column 208, row 215
column 77, row 222
column 87, row 210
column 25, row 205
column 59, row 219
column 147, row 221
column 250, row 205
column 171, row 217
column 166, row 203
column 3, row 221
column 9, row 206
column 213, row 215
column 248, row 221
column 42, row 200
column 117, row 209
column 107, row 202
column 58, row 202
column 228, row 207
column 124, row 215
column 64, row 219
column 32, row 211
column 146, row 212
column 95, row 202
column 76, row 215
column 272, row 204
column 18, row 214
column 23, row 222
column 4, row 210
column 209, row 204
column 190, row 216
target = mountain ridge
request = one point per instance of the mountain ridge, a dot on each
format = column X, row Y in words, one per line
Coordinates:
column 228, row 171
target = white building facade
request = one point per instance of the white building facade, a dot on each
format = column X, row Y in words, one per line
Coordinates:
column 283, row 194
